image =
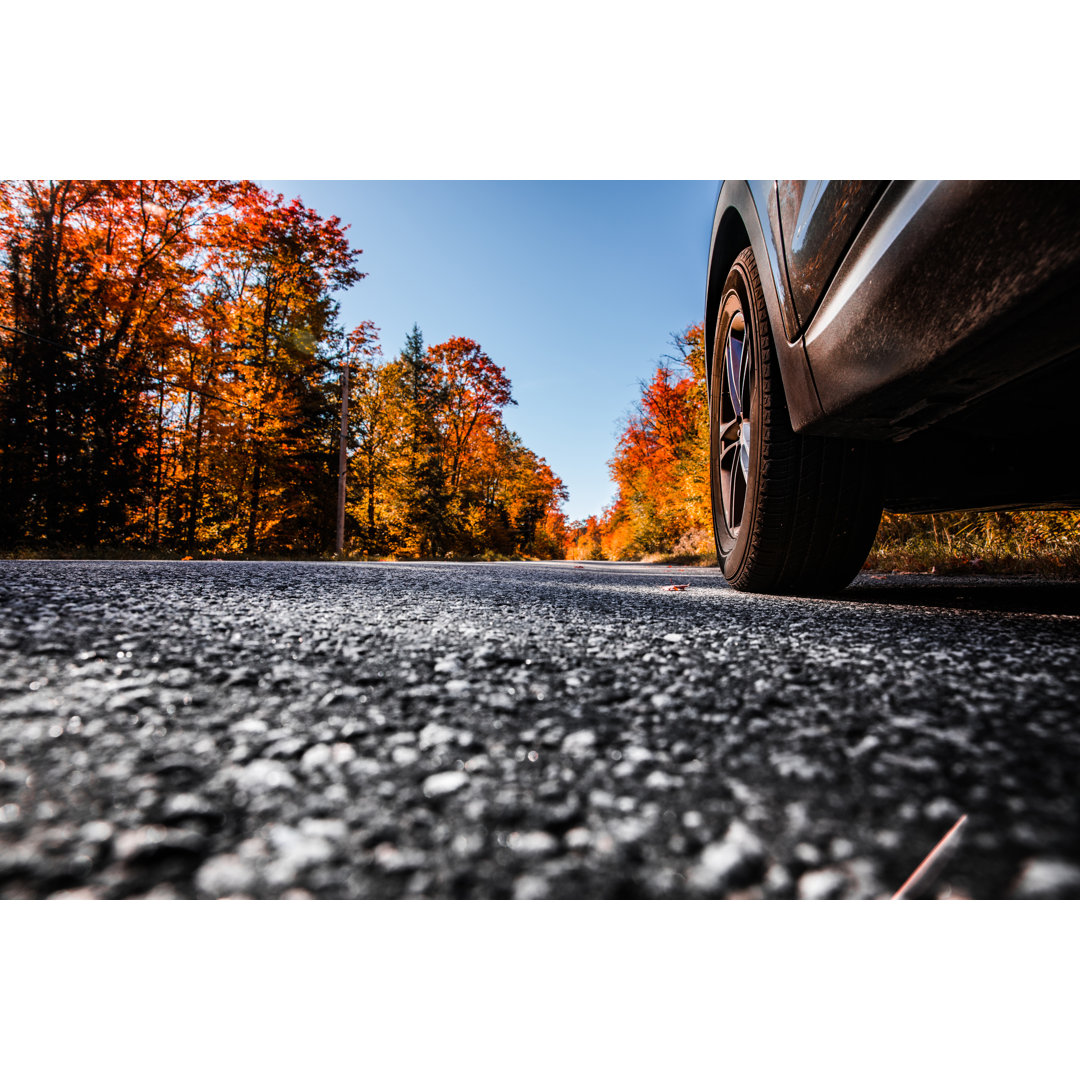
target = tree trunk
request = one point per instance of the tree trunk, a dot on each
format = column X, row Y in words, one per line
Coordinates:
column 371, row 506
column 156, row 535
column 196, row 480
column 256, row 489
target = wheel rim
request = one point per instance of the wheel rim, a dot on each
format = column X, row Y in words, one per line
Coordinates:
column 736, row 381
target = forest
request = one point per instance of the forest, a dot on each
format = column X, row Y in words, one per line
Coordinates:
column 171, row 371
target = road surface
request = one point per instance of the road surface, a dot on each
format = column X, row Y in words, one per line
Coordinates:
column 529, row 730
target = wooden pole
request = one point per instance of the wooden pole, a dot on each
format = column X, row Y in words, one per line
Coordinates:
column 342, row 459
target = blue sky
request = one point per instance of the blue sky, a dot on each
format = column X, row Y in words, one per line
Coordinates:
column 573, row 287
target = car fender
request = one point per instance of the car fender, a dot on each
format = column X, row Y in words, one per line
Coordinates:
column 747, row 213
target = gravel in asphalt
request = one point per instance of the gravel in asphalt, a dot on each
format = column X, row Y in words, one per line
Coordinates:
column 383, row 730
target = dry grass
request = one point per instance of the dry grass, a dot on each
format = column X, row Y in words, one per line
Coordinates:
column 1044, row 543
column 695, row 548
column 144, row 554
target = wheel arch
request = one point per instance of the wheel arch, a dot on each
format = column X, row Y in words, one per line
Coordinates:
column 729, row 238
column 747, row 216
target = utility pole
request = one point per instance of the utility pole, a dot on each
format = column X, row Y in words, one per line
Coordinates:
column 342, row 459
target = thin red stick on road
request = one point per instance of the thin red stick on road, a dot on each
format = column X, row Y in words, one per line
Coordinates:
column 932, row 864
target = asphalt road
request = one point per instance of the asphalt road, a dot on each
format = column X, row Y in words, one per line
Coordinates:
column 529, row 730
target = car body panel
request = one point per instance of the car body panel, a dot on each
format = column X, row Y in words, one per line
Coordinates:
column 918, row 320
column 820, row 219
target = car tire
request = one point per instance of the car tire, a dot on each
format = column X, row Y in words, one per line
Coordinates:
column 792, row 514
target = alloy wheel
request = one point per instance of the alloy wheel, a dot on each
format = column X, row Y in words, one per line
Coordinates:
column 735, row 420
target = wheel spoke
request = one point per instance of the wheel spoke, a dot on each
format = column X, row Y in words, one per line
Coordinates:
column 729, row 474
column 746, row 359
column 738, row 496
column 729, row 432
column 744, row 450
column 733, row 350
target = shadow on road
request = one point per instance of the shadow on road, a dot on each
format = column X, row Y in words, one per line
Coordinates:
column 984, row 594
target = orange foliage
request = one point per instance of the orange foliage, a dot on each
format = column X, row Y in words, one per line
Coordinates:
column 169, row 376
column 660, row 466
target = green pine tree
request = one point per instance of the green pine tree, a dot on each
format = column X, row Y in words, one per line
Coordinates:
column 424, row 497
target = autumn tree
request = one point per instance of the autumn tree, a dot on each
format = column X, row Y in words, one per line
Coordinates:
column 206, row 415
column 95, row 280
column 473, row 389
column 418, row 473
column 585, row 539
column 278, row 263
column 375, row 443
column 661, row 462
column 532, row 496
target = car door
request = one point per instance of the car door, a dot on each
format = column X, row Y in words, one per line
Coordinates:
column 819, row 220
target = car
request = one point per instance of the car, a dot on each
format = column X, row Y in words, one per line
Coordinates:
column 911, row 346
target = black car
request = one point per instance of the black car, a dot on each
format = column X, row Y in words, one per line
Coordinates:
column 912, row 346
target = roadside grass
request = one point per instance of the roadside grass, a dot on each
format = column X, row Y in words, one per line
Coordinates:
column 923, row 558
column 105, row 552
column 109, row 553
column 1044, row 543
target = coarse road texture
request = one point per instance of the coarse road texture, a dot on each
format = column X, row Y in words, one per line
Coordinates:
column 529, row 730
